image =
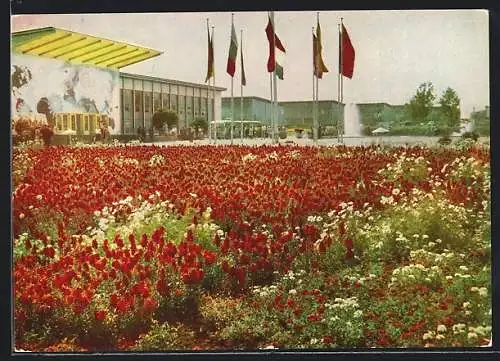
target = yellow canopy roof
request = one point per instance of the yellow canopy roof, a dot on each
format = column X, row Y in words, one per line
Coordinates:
column 78, row 48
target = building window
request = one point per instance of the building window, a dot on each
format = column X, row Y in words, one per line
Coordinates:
column 128, row 126
column 181, row 100
column 189, row 107
column 138, row 101
column 165, row 101
column 157, row 101
column 139, row 115
column 196, row 107
column 173, row 102
column 86, row 123
column 147, row 102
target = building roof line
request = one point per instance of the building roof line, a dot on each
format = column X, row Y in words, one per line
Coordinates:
column 169, row 81
column 58, row 43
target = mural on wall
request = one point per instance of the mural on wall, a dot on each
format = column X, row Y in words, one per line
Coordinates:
column 47, row 86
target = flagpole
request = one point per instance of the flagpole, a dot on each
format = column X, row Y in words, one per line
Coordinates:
column 314, row 87
column 275, row 90
column 241, row 87
column 213, row 64
column 338, row 84
column 342, row 79
column 271, row 103
column 316, row 118
column 271, row 130
column 208, row 93
column 232, row 87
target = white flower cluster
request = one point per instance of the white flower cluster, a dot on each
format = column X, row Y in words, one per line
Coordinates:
column 443, row 259
column 406, row 166
column 358, row 279
column 294, row 154
column 248, row 157
column 466, row 168
column 264, row 291
column 157, row 160
column 121, row 160
column 414, row 274
column 482, row 291
column 272, row 156
column 343, row 303
column 314, row 219
column 480, row 330
column 386, row 200
column 292, row 276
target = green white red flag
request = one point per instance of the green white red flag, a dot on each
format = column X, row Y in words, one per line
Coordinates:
column 233, row 52
column 272, row 62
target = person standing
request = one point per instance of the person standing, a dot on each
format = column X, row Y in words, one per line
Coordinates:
column 47, row 134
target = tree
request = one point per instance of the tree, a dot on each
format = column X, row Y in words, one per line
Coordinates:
column 200, row 123
column 162, row 117
column 450, row 110
column 421, row 103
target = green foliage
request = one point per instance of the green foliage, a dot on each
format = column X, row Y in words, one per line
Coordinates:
column 200, row 124
column 421, row 103
column 163, row 337
column 450, row 108
column 465, row 143
column 481, row 122
column 399, row 229
column 182, row 306
column 470, row 135
column 162, row 117
column 219, row 311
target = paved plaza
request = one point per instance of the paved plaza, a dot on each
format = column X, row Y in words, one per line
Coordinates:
column 349, row 141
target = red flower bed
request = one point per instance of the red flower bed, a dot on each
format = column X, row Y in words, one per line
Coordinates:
column 277, row 189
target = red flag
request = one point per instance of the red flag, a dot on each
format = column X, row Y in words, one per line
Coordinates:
column 271, row 61
column 233, row 51
column 348, row 54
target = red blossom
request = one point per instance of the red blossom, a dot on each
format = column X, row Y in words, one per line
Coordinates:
column 100, row 315
column 327, row 340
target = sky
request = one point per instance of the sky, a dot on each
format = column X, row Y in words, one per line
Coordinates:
column 396, row 50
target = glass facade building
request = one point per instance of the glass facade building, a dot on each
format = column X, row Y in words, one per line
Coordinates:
column 254, row 109
column 142, row 95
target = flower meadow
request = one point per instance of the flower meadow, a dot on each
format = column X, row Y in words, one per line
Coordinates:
column 150, row 248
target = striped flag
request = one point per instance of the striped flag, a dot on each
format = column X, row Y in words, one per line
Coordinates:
column 233, row 52
column 272, row 62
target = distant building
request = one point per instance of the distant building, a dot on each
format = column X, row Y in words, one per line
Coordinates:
column 142, row 95
column 290, row 113
column 254, row 109
column 481, row 121
column 300, row 113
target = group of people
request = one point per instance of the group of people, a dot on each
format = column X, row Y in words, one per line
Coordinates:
column 34, row 131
